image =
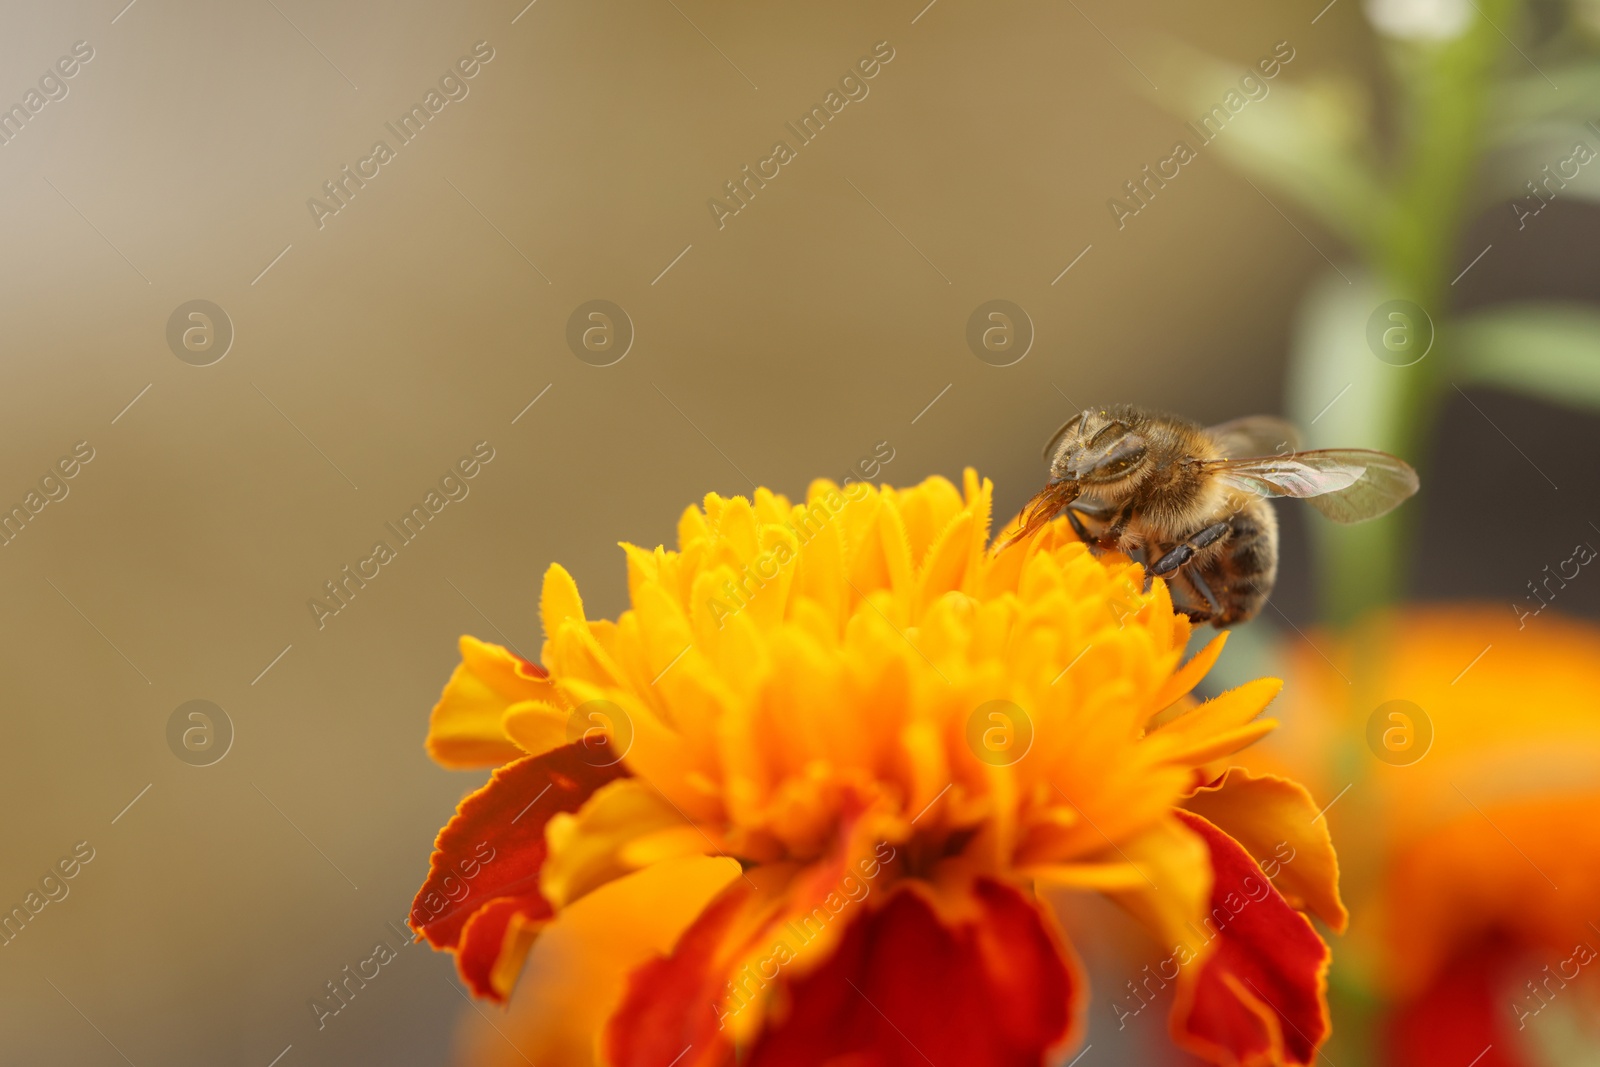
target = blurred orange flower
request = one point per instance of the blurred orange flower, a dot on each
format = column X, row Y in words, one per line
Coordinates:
column 792, row 806
column 1469, row 834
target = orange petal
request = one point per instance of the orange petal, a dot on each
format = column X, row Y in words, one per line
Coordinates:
column 536, row 727
column 903, row 989
column 1219, row 727
column 1466, row 881
column 1189, row 675
column 619, row 830
column 1103, row 877
column 1260, row 996
column 1276, row 822
column 485, row 866
column 559, row 601
column 1175, row 880
column 464, row 729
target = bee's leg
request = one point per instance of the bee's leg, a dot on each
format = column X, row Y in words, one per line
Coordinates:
column 1204, row 589
column 1116, row 527
column 1077, row 525
column 1075, row 512
column 1187, row 598
column 1143, row 560
column 1184, row 550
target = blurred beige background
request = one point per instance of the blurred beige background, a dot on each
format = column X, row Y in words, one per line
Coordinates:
column 423, row 318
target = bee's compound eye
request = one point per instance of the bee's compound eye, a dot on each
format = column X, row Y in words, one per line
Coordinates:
column 1124, row 455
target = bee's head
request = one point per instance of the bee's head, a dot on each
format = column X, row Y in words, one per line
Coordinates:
column 1101, row 451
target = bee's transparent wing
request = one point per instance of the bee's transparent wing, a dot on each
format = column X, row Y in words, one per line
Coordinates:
column 1345, row 484
column 1255, row 435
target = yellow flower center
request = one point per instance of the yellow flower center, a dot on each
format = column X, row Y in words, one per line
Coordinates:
column 791, row 668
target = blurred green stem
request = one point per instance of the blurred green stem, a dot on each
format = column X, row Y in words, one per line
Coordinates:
column 1444, row 95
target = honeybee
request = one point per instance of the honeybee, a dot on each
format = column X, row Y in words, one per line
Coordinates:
column 1190, row 502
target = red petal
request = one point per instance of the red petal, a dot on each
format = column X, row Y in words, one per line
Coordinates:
column 1466, row 1016
column 531, row 667
column 905, row 988
column 484, row 935
column 670, row 1002
column 1260, row 996
column 491, row 851
column 674, row 1007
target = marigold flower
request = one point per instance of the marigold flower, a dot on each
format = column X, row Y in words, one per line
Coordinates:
column 795, row 802
column 1474, row 856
